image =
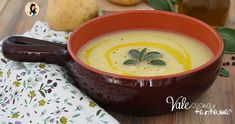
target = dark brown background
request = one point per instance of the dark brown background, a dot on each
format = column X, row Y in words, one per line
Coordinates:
column 13, row 20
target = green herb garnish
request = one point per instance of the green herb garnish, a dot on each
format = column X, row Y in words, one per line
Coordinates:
column 149, row 56
column 158, row 62
column 140, row 56
column 134, row 53
column 131, row 62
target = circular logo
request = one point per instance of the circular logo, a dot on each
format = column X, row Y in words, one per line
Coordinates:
column 31, row 9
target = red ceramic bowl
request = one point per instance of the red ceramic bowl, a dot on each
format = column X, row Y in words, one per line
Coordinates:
column 140, row 95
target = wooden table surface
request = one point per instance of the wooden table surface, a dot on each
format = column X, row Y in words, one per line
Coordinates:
column 13, row 20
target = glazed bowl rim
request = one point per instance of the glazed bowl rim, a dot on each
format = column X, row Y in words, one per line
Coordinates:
column 218, row 54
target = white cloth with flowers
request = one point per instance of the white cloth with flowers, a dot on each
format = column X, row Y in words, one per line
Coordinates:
column 41, row 93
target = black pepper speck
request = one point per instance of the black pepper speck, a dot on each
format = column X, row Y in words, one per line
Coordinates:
column 224, row 64
column 233, row 63
column 233, row 57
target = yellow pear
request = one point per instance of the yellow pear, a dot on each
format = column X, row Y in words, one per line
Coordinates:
column 66, row 15
column 126, row 2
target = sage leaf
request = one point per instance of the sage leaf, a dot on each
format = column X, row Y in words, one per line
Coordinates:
column 151, row 55
column 130, row 62
column 171, row 4
column 134, row 54
column 142, row 53
column 228, row 35
column 158, row 62
column 165, row 5
column 223, row 72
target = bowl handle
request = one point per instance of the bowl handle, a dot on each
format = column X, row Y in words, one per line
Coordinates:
column 24, row 49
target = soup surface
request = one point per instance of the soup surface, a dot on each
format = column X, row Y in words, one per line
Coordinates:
column 144, row 53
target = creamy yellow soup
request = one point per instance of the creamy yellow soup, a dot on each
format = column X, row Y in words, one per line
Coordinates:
column 179, row 52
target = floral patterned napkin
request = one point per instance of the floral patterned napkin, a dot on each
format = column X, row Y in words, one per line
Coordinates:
column 42, row 93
